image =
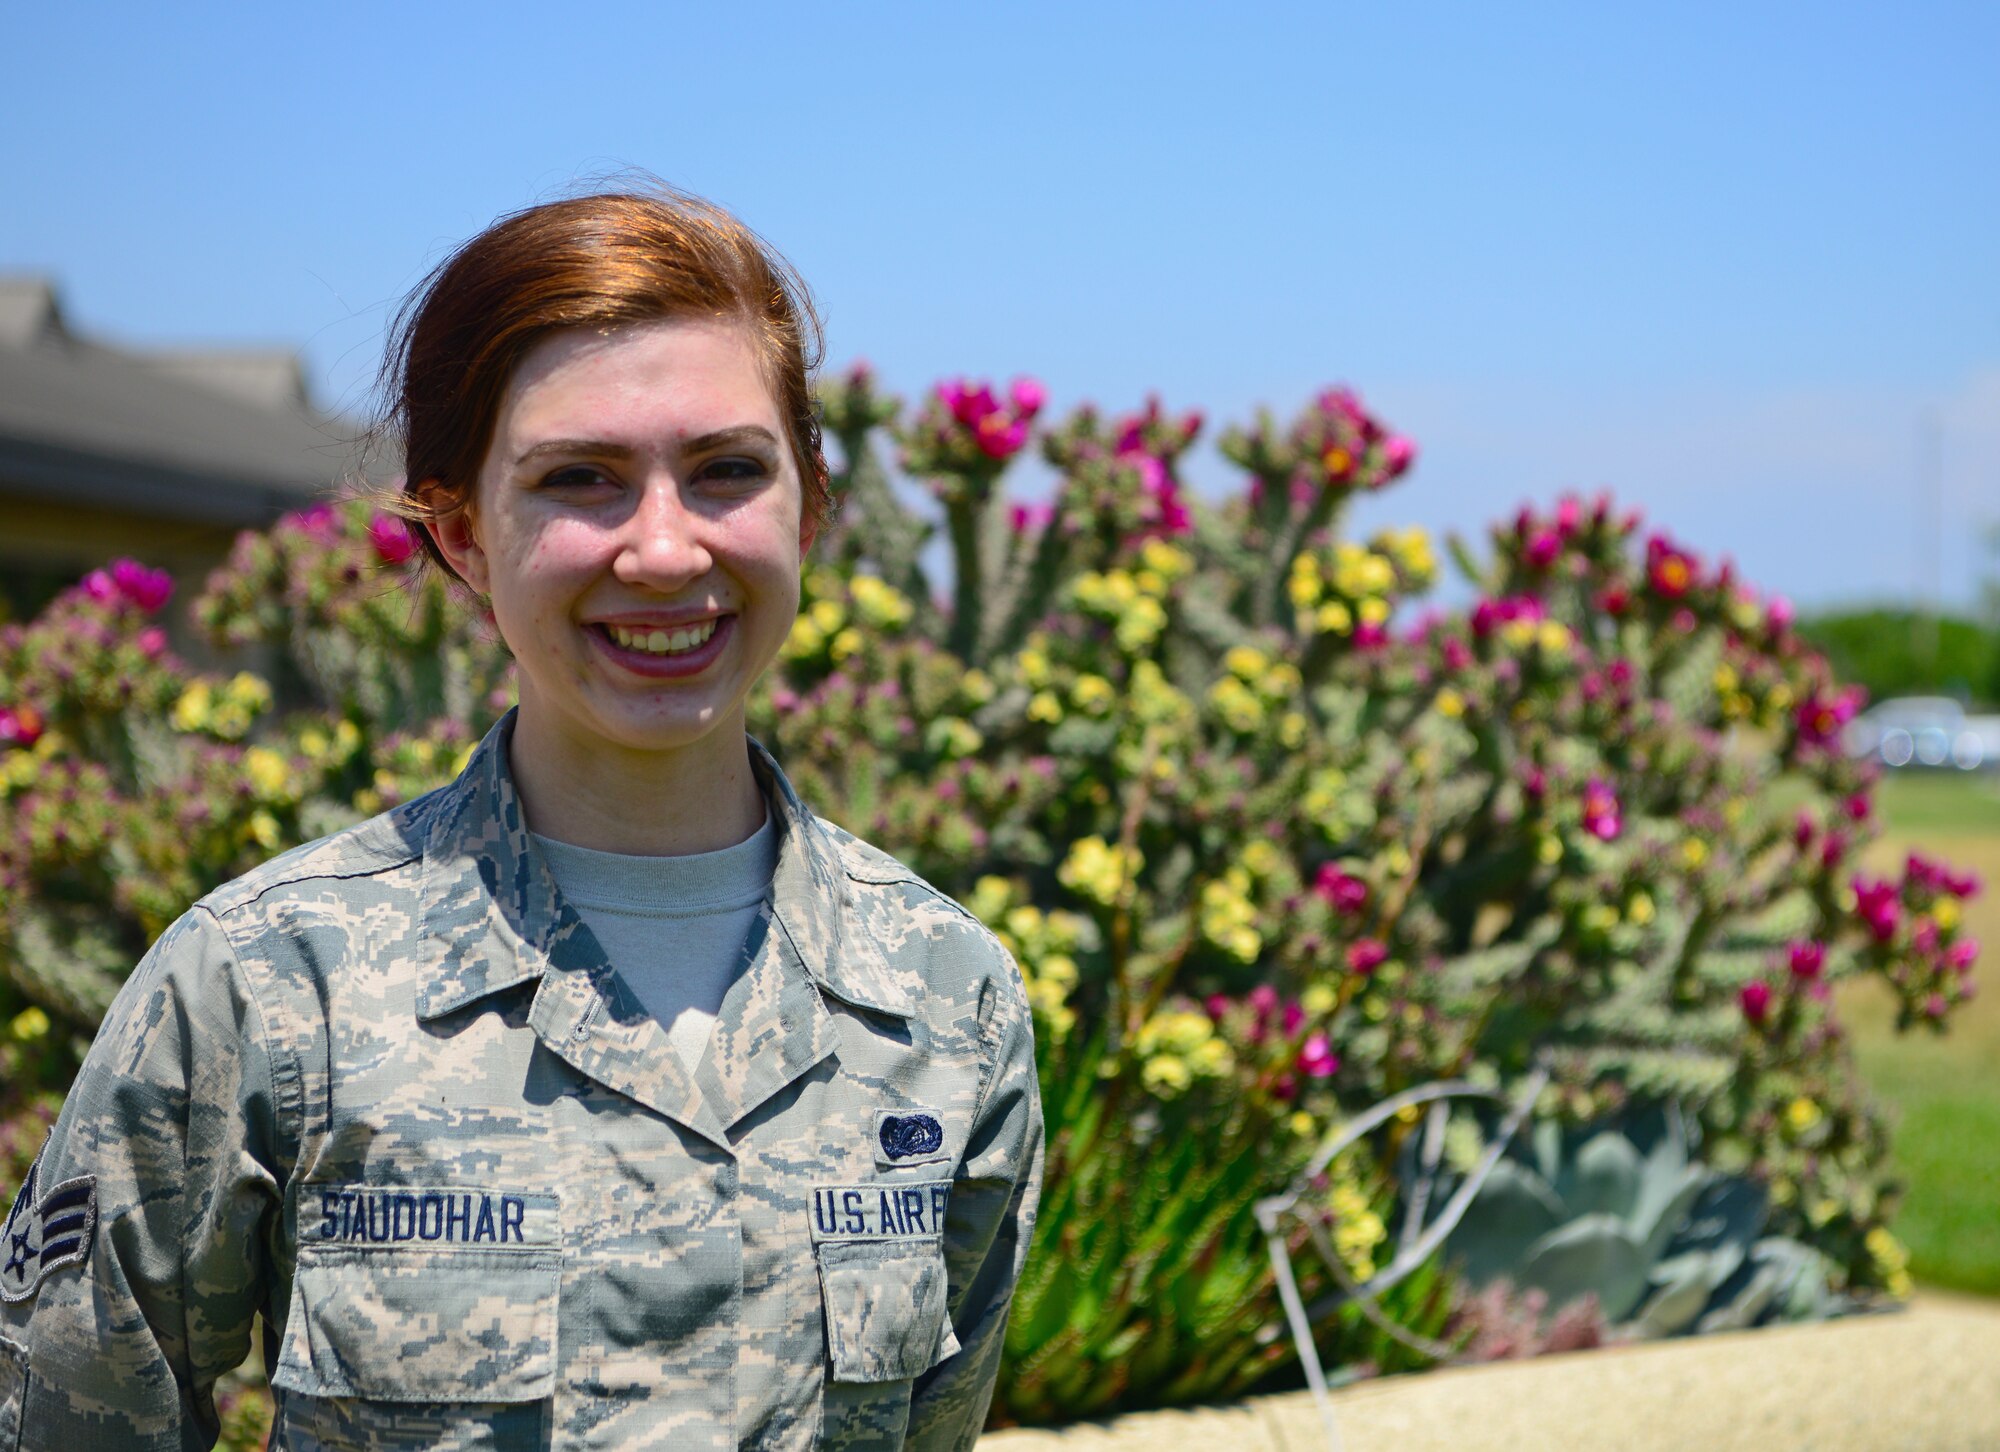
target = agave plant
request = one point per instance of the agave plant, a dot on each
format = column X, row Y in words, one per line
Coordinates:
column 1629, row 1214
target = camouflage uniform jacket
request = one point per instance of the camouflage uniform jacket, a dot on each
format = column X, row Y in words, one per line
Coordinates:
column 387, row 1091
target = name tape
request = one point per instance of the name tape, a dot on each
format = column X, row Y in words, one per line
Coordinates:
column 375, row 1215
column 880, row 1212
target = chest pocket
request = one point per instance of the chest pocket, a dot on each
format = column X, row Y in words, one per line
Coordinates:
column 409, row 1347
column 885, row 1303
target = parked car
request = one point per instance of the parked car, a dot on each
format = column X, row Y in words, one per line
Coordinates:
column 1932, row 731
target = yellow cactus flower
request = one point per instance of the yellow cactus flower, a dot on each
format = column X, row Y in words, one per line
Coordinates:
column 1945, row 910
column 845, row 643
column 1450, row 703
column 1293, row 729
column 827, row 615
column 1098, row 870
column 1300, row 1124
column 805, row 641
column 1553, row 637
column 29, row 1024
column 1333, row 618
column 1318, row 999
column 1262, row 857
column 1245, row 662
column 1373, row 611
column 879, row 604
column 267, row 772
column 1033, row 663
column 194, row 708
column 1639, row 908
column 976, row 686
column 263, row 829
column 1802, row 1114
column 1166, row 1075
column 1238, row 707
column 1694, row 852
column 1093, row 695
column 1046, row 707
column 1165, row 559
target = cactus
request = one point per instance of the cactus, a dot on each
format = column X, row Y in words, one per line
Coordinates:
column 1626, row 1212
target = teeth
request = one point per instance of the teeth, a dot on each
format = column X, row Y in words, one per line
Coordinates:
column 662, row 642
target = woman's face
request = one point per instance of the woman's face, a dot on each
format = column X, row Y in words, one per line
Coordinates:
column 637, row 527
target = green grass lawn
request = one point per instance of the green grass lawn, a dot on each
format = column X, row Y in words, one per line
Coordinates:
column 1944, row 1092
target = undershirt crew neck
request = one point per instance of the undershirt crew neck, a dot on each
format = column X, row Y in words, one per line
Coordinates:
column 674, row 927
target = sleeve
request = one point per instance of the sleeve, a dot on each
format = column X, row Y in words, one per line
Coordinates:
column 988, row 1230
column 137, row 1251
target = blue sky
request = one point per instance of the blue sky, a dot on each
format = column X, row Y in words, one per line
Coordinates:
column 1728, row 260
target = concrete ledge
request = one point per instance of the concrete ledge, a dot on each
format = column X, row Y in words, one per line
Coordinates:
column 1922, row 1380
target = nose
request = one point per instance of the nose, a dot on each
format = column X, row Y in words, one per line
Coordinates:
column 662, row 548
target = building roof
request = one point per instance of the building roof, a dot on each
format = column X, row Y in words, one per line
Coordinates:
column 227, row 436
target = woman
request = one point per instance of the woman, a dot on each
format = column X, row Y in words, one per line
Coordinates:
column 604, row 1097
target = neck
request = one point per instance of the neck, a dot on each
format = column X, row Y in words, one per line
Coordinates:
column 701, row 798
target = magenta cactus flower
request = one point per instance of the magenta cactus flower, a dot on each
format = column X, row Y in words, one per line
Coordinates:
column 1755, row 1000
column 1806, row 960
column 1366, row 955
column 1671, row 571
column 392, row 537
column 1960, row 956
column 20, row 726
column 1343, row 893
column 146, row 590
column 1027, row 396
column 1601, row 815
column 1317, row 1060
column 1877, row 903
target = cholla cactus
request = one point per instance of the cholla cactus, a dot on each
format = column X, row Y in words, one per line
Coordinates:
column 1269, row 840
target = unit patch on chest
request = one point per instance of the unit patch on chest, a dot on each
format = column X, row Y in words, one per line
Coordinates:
column 880, row 1212
column 909, row 1137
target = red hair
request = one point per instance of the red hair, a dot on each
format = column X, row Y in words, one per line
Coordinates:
column 597, row 261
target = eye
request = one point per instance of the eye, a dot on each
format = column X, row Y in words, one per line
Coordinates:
column 736, row 469
column 572, row 477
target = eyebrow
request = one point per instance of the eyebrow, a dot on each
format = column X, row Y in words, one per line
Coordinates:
column 737, row 437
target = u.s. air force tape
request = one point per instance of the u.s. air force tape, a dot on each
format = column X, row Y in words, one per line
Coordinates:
column 909, row 1211
column 393, row 1215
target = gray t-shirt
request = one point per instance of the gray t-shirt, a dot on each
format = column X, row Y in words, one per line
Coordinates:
column 673, row 927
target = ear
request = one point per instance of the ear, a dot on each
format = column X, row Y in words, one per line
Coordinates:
column 808, row 532
column 458, row 541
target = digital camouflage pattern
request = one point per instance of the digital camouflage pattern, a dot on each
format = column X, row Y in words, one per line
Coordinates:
column 387, row 1091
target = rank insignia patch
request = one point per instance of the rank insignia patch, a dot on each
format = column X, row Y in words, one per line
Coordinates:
column 908, row 1137
column 45, row 1231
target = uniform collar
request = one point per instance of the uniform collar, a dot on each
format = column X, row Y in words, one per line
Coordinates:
column 493, row 917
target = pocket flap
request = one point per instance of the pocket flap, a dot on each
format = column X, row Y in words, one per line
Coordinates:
column 410, row 1325
column 885, row 1308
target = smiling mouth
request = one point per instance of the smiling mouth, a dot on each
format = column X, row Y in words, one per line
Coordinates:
column 662, row 643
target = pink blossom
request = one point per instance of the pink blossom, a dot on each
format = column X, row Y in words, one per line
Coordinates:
column 1397, row 456
column 1856, row 807
column 1569, row 516
column 315, row 519
column 1457, row 655
column 1755, row 999
column 152, row 642
column 1535, row 782
column 1935, row 1006
column 1806, row 960
column 1366, row 955
column 1833, row 850
column 97, row 585
column 1614, row 600
column 20, row 726
column 392, row 537
column 1876, row 904
column 1217, row 1006
column 1344, row 893
column 1601, row 815
column 1820, row 718
column 1294, row 1017
column 1027, row 518
column 1960, row 956
column 1781, row 613
column 1370, row 636
column 143, row 588
column 1672, row 572
column 1028, row 396
column 1804, row 830
column 1541, row 551
column 1317, row 1060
